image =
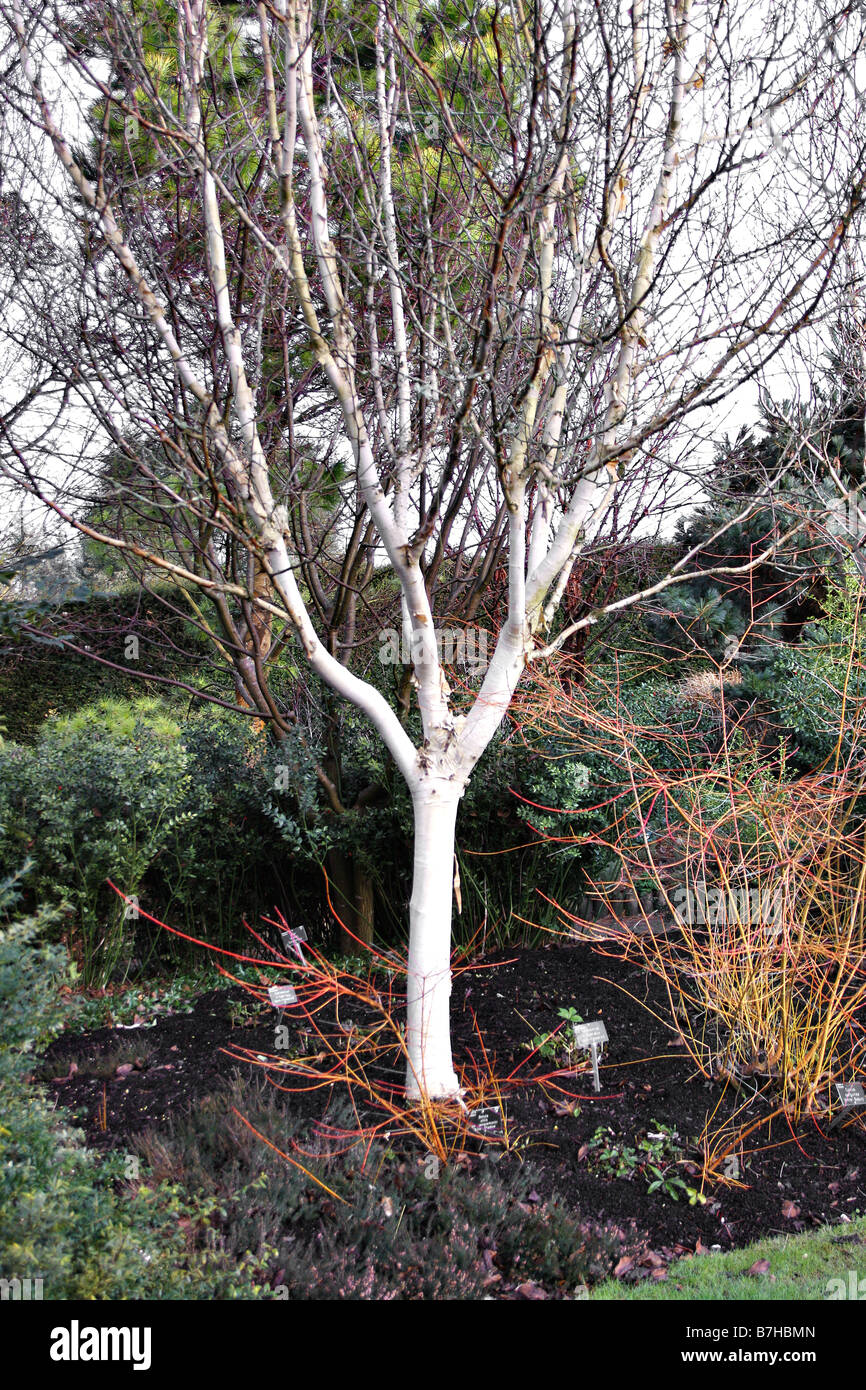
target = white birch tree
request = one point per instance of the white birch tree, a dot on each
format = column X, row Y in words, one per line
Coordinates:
column 526, row 246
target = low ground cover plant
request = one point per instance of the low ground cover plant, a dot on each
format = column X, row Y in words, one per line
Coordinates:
column 87, row 1226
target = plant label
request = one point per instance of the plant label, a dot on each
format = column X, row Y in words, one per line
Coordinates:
column 594, row 1036
column 281, row 995
column 292, row 939
column 294, row 934
column 850, row 1093
column 585, row 1034
column 487, row 1119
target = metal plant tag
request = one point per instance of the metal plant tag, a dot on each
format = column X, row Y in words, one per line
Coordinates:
column 293, row 934
column 594, row 1036
column 291, row 940
column 487, row 1119
column 585, row 1034
column 280, row 995
column 851, row 1095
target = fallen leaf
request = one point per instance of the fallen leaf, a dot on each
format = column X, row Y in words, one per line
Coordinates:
column 623, row 1266
column 759, row 1267
column 790, row 1210
column 652, row 1258
column 530, row 1290
column 124, row 1069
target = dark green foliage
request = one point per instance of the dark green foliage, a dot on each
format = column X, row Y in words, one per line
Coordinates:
column 582, row 773
column 699, row 619
column 49, row 679
column 808, row 686
column 67, row 1217
column 397, row 1227
column 191, row 818
column 42, row 675
column 94, row 799
column 721, row 616
column 254, row 838
column 772, row 602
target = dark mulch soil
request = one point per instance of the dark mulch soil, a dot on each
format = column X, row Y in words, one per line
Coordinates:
column 793, row 1181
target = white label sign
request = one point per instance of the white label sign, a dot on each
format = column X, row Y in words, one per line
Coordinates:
column 280, row 995
column 585, row 1034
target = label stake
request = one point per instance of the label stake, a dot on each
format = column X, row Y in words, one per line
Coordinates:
column 592, row 1036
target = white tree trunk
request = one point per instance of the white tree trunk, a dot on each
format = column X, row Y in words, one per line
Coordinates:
column 430, row 1070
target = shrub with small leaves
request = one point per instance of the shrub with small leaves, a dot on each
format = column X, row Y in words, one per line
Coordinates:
column 391, row 1226
column 67, row 1217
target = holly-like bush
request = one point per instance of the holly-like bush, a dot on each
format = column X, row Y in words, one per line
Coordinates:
column 180, row 816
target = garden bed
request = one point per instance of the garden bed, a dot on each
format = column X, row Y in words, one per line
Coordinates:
column 651, row 1108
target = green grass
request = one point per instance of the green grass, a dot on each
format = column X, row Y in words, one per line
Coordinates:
column 800, row 1268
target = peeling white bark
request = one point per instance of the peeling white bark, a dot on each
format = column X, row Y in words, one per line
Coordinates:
column 430, row 1069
